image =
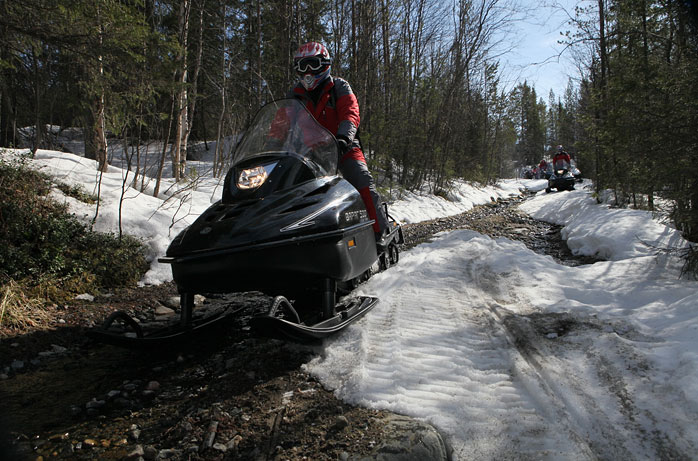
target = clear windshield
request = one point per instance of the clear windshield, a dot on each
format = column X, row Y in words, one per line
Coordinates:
column 285, row 127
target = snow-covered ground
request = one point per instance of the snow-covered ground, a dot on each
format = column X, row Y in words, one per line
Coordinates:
column 508, row 353
column 517, row 357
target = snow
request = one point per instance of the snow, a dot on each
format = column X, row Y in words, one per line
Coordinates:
column 509, row 354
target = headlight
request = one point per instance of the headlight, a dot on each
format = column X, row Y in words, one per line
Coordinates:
column 252, row 178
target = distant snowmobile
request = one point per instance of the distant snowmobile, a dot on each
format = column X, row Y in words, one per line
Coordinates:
column 287, row 225
column 560, row 179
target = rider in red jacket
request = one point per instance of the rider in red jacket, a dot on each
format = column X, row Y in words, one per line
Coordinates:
column 562, row 159
column 333, row 103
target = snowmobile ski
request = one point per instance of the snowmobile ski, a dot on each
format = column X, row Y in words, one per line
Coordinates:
column 283, row 322
column 132, row 335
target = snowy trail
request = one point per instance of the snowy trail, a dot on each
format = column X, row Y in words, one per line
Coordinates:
column 511, row 355
column 457, row 341
column 434, row 345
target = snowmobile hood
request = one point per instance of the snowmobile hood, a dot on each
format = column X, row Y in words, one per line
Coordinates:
column 316, row 207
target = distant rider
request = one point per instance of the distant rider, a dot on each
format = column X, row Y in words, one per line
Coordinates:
column 542, row 166
column 333, row 103
column 562, row 159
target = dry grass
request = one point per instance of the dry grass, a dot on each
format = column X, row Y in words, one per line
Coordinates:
column 19, row 313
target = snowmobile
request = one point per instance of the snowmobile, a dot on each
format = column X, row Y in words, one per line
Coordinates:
column 287, row 225
column 560, row 179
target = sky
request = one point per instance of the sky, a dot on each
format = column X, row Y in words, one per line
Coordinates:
column 534, row 57
column 510, row 354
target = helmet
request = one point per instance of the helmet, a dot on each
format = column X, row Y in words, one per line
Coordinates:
column 559, row 148
column 312, row 62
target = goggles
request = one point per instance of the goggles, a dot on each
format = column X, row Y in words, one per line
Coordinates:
column 311, row 64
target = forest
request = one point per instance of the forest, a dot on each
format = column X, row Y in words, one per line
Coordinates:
column 427, row 74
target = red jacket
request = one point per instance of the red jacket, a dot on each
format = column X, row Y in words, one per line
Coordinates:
column 337, row 108
column 562, row 157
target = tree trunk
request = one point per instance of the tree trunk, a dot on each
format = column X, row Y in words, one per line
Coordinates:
column 99, row 132
column 179, row 149
column 194, row 81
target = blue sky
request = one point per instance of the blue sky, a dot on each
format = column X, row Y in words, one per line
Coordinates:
column 534, row 57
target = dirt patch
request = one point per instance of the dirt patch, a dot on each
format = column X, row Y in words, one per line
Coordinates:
column 502, row 219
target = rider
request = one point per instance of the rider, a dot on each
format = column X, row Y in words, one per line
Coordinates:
column 333, row 103
column 562, row 159
column 542, row 166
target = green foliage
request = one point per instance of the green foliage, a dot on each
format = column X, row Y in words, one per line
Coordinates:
column 638, row 107
column 77, row 192
column 43, row 243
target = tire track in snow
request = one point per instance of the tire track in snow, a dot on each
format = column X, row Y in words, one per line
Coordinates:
column 586, row 379
column 430, row 349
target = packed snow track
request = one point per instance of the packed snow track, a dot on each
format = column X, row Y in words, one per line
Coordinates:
column 498, row 347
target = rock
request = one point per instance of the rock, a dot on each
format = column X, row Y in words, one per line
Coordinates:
column 113, row 393
column 234, row 442
column 150, row 452
column 136, row 453
column 89, row 442
column 58, row 349
column 340, row 423
column 163, row 310
column 94, row 403
column 406, row 439
column 135, row 433
column 172, row 302
column 152, row 386
column 3, row 376
column 220, row 447
column 123, row 402
column 168, row 453
column 17, row 364
column 85, row 297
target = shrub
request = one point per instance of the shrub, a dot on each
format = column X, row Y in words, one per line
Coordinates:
column 49, row 248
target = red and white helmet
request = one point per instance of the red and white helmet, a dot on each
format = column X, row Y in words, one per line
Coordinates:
column 312, row 62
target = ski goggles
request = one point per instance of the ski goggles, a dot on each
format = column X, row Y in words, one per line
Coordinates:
column 311, row 64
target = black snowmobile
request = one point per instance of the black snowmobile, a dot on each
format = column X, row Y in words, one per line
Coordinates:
column 560, row 179
column 288, row 226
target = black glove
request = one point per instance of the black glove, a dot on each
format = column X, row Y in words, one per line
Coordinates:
column 343, row 144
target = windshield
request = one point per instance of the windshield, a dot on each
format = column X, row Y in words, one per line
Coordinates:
column 286, row 127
